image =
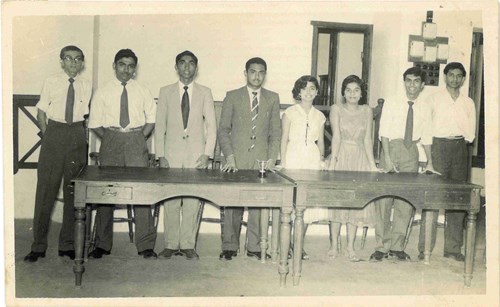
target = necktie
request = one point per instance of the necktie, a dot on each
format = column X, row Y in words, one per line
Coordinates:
column 185, row 107
column 255, row 113
column 409, row 126
column 124, row 117
column 70, row 102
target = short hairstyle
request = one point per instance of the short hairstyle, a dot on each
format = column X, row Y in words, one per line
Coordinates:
column 256, row 61
column 355, row 79
column 415, row 71
column 125, row 53
column 71, row 48
column 186, row 52
column 301, row 83
column 454, row 65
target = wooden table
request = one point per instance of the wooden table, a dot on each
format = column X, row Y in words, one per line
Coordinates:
column 148, row 186
column 356, row 189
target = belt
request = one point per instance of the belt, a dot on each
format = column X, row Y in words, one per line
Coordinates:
column 451, row 138
column 124, row 130
column 54, row 122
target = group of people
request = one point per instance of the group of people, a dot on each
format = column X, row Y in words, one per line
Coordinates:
column 123, row 114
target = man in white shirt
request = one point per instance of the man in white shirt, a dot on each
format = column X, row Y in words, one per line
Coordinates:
column 64, row 102
column 185, row 112
column 403, row 124
column 123, row 115
column 453, row 128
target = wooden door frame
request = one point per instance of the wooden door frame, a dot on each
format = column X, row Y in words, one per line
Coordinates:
column 335, row 28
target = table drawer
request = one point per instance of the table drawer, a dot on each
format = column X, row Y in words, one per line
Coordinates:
column 261, row 196
column 109, row 192
column 327, row 195
column 447, row 197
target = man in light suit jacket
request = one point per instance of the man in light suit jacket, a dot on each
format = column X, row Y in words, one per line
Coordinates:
column 185, row 137
column 249, row 130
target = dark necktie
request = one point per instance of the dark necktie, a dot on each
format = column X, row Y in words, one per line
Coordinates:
column 185, row 107
column 70, row 102
column 409, row 126
column 124, row 117
column 255, row 113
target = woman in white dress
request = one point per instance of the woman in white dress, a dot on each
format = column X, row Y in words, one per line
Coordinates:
column 302, row 139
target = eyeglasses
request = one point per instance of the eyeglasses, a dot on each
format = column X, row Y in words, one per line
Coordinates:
column 69, row 59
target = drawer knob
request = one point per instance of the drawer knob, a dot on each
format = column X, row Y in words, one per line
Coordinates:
column 108, row 193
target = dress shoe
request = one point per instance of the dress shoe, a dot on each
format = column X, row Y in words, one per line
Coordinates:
column 378, row 256
column 189, row 254
column 400, row 255
column 148, row 254
column 167, row 253
column 98, row 253
column 257, row 255
column 33, row 256
column 305, row 256
column 227, row 255
column 70, row 254
column 421, row 256
column 456, row 256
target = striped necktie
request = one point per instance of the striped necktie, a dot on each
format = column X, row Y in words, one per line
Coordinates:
column 255, row 114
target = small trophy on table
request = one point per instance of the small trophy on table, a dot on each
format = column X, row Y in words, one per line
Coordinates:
column 262, row 168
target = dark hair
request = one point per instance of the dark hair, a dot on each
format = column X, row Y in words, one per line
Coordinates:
column 125, row 53
column 256, row 61
column 301, row 83
column 357, row 80
column 454, row 65
column 71, row 48
column 186, row 52
column 415, row 71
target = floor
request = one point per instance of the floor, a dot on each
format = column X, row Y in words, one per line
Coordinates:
column 124, row 274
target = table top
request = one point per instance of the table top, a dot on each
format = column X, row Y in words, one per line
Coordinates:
column 176, row 175
column 413, row 180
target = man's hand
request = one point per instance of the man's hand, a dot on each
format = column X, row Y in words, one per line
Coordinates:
column 271, row 164
column 202, row 162
column 230, row 165
column 164, row 162
column 429, row 169
column 389, row 166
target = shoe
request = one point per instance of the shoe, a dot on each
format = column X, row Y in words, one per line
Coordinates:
column 167, row 253
column 456, row 256
column 421, row 256
column 351, row 255
column 148, row 254
column 189, row 254
column 400, row 255
column 257, row 255
column 98, row 252
column 332, row 253
column 305, row 256
column 33, row 256
column 227, row 255
column 378, row 256
column 70, row 254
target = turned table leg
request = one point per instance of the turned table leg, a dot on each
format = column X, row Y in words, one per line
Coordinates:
column 78, row 268
column 264, row 226
column 275, row 235
column 284, row 244
column 298, row 244
column 428, row 235
column 469, row 247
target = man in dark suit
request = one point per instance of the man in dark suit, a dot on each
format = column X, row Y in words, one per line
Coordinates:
column 249, row 130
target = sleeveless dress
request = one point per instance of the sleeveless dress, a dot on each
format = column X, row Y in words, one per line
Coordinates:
column 302, row 152
column 352, row 157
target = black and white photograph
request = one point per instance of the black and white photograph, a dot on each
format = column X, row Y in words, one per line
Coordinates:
column 250, row 153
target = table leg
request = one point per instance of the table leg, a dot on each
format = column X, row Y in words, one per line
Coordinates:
column 88, row 222
column 78, row 268
column 264, row 226
column 469, row 247
column 275, row 235
column 298, row 244
column 284, row 245
column 428, row 235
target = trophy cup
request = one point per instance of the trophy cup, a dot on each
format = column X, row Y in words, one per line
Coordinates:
column 262, row 168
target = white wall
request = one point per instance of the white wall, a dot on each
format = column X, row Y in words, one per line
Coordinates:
column 223, row 43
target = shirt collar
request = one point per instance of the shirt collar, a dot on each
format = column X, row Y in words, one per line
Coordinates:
column 250, row 91
column 181, row 85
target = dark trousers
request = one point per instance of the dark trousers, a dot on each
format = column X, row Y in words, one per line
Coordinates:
column 232, row 220
column 124, row 149
column 62, row 155
column 449, row 157
column 391, row 235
